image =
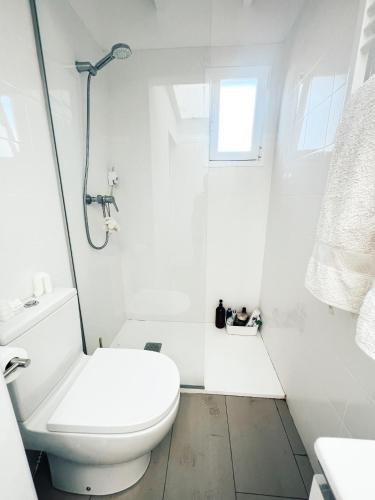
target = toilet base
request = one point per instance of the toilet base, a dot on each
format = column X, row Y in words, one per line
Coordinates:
column 84, row 479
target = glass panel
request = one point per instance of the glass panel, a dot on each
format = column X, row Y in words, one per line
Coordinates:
column 192, row 100
column 236, row 115
column 165, row 167
column 149, row 120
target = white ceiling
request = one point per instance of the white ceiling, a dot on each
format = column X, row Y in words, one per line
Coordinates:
column 147, row 24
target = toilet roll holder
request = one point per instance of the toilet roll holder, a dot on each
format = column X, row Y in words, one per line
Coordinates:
column 14, row 364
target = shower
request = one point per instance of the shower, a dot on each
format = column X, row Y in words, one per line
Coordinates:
column 118, row 51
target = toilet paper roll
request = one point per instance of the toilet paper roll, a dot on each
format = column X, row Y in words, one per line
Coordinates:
column 6, row 355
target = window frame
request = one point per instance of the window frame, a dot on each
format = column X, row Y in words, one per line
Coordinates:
column 233, row 158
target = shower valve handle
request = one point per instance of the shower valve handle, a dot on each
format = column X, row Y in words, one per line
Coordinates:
column 102, row 200
column 115, row 204
column 110, row 199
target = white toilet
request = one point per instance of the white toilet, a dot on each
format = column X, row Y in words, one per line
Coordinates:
column 98, row 417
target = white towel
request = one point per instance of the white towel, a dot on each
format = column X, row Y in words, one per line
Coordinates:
column 365, row 336
column 342, row 266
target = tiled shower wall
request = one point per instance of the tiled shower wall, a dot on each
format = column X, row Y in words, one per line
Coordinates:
column 192, row 233
column 32, row 232
column 65, row 39
column 329, row 382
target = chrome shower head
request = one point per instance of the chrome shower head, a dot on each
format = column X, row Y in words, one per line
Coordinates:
column 121, row 51
column 118, row 51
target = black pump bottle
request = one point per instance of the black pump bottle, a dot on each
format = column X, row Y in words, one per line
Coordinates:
column 220, row 315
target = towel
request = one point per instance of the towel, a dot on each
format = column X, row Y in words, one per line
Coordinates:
column 365, row 335
column 342, row 267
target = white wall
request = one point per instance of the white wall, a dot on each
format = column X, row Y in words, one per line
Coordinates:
column 192, row 234
column 165, row 24
column 330, row 383
column 238, row 197
column 99, row 276
column 32, row 234
column 162, row 163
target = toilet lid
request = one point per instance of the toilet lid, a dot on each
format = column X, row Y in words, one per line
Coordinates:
column 118, row 391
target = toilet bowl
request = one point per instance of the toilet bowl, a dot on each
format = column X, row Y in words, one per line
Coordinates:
column 100, row 424
column 98, row 417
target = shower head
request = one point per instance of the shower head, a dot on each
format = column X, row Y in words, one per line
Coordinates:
column 118, row 51
column 121, row 51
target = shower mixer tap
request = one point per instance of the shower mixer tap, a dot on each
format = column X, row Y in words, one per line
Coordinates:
column 103, row 200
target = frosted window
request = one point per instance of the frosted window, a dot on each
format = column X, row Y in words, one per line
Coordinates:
column 238, row 103
column 236, row 115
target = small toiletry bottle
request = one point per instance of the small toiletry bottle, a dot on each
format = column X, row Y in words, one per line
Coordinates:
column 255, row 319
column 220, row 315
column 241, row 318
column 229, row 317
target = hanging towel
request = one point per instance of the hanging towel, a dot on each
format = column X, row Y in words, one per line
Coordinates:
column 365, row 335
column 342, row 266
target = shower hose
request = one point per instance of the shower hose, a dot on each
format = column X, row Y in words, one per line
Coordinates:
column 86, row 173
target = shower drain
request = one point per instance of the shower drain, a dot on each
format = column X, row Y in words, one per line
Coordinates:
column 153, row 346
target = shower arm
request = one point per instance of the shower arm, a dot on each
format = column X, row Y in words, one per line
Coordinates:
column 101, row 200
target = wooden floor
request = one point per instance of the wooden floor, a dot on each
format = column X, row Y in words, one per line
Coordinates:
column 220, row 448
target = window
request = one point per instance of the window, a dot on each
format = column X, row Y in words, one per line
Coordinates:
column 237, row 104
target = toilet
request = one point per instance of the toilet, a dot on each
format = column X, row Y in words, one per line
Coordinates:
column 97, row 417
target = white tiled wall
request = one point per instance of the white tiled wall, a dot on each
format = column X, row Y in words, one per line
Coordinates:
column 162, row 163
column 238, row 197
column 191, row 234
column 330, row 383
column 32, row 235
column 65, row 40
column 184, row 241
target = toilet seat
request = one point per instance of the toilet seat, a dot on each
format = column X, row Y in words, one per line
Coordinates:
column 118, row 391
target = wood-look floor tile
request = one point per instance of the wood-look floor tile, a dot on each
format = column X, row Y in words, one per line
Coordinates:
column 290, row 428
column 200, row 465
column 249, row 496
column 262, row 457
column 200, row 455
column 306, row 470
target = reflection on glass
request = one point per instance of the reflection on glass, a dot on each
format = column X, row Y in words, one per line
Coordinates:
column 236, row 114
column 7, row 109
column 170, row 282
column 302, row 135
column 5, row 149
column 320, row 88
column 322, row 113
column 192, row 100
column 8, row 129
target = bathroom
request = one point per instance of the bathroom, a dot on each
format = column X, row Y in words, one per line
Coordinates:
column 158, row 156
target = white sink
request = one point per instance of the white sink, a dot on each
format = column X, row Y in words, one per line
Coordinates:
column 349, row 466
